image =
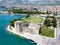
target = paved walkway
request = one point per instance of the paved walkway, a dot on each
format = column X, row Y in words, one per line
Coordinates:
column 58, row 33
column 40, row 40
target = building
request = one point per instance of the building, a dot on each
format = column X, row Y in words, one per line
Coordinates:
column 29, row 27
column 32, row 28
column 18, row 26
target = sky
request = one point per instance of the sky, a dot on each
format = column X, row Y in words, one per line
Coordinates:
column 32, row 0
column 0, row 0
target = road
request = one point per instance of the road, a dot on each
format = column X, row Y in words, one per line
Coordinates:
column 58, row 32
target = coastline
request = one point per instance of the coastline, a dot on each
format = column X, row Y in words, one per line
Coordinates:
column 37, row 38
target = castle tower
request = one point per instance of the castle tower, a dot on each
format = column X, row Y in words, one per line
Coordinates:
column 18, row 26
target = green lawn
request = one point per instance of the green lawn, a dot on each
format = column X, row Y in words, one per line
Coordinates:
column 45, row 31
column 32, row 19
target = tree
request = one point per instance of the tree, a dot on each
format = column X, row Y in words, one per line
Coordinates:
column 40, row 30
column 55, row 13
column 54, row 22
column 47, row 22
column 48, row 12
column 12, row 22
column 28, row 15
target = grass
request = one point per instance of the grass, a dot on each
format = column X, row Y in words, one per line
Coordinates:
column 45, row 31
column 32, row 19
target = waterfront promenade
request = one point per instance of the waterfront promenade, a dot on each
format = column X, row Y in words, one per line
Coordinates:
column 40, row 40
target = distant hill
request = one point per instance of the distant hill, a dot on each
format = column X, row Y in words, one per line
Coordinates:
column 29, row 2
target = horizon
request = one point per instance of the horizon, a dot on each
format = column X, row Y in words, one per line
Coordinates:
column 30, row 2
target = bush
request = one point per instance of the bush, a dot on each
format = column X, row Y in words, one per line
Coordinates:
column 27, row 16
column 12, row 22
column 47, row 22
column 45, row 31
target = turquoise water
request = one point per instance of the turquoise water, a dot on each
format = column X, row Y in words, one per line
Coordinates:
column 2, row 8
column 7, row 38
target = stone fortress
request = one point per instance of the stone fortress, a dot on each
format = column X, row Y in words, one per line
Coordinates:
column 27, row 28
column 32, row 28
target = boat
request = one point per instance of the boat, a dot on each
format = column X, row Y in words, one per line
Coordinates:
column 32, row 41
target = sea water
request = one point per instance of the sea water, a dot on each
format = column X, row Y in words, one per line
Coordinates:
column 7, row 38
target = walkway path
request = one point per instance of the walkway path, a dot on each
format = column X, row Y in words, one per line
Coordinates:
column 58, row 32
column 40, row 40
